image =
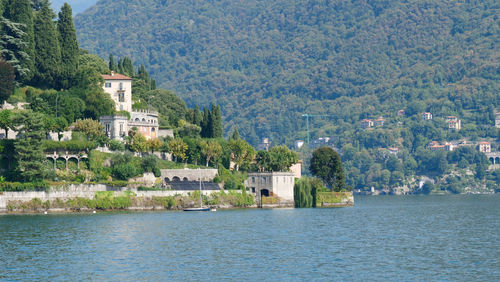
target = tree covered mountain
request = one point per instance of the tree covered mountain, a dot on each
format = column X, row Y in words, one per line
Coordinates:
column 266, row 62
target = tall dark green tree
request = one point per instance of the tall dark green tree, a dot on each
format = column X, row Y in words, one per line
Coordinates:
column 68, row 45
column 19, row 11
column 205, row 124
column 28, row 146
column 47, row 51
column 215, row 122
column 112, row 64
column 235, row 135
column 7, row 78
column 197, row 116
column 326, row 164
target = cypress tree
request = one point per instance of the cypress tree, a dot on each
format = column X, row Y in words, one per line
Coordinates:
column 19, row 11
column 205, row 131
column 236, row 134
column 153, row 84
column 7, row 77
column 128, row 68
column 120, row 66
column 47, row 51
column 68, row 44
column 210, row 123
column 197, row 116
column 216, row 122
column 112, row 64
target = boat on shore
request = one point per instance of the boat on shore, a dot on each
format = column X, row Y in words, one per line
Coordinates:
column 201, row 208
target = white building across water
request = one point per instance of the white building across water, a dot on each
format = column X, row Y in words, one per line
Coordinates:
column 117, row 126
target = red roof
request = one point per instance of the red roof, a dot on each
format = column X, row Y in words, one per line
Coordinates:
column 115, row 76
column 484, row 143
column 437, row 146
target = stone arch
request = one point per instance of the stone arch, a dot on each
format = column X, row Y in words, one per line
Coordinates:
column 143, row 120
column 61, row 163
column 137, row 119
column 264, row 193
column 176, row 178
column 492, row 160
column 497, row 160
column 167, row 179
column 185, row 179
column 74, row 160
column 52, row 160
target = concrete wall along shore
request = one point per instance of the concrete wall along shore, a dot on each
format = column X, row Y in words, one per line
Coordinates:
column 81, row 191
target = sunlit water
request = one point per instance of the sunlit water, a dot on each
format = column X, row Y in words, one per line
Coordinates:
column 381, row 238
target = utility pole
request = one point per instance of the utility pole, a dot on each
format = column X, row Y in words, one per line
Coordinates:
column 307, row 123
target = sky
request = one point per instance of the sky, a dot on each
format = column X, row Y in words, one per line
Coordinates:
column 77, row 5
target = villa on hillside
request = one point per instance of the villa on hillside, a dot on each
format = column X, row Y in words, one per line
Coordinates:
column 379, row 122
column 366, row 123
column 427, row 116
column 484, row 147
column 117, row 126
column 497, row 120
column 436, row 146
column 453, row 123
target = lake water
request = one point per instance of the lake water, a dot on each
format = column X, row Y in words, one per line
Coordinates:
column 381, row 238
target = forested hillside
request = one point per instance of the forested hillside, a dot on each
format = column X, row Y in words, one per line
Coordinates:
column 267, row 62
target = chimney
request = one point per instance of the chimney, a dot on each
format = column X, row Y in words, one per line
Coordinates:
column 112, row 73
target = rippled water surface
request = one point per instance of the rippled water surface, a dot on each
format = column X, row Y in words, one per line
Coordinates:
column 395, row 238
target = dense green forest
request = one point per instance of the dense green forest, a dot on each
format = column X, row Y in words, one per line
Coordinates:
column 268, row 62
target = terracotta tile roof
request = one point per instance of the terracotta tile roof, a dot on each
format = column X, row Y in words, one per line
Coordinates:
column 484, row 143
column 437, row 146
column 115, row 76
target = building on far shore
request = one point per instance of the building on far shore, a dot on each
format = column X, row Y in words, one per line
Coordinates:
column 379, row 122
column 264, row 145
column 484, row 147
column 366, row 123
column 427, row 116
column 497, row 120
column 119, row 88
column 453, row 123
column 298, row 144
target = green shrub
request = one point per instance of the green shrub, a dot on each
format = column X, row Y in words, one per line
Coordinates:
column 167, row 202
column 20, row 187
column 149, row 163
column 121, row 202
column 142, row 188
column 72, row 146
column 124, row 171
column 116, row 183
column 115, row 145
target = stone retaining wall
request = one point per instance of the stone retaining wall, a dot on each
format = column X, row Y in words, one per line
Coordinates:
column 81, row 191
